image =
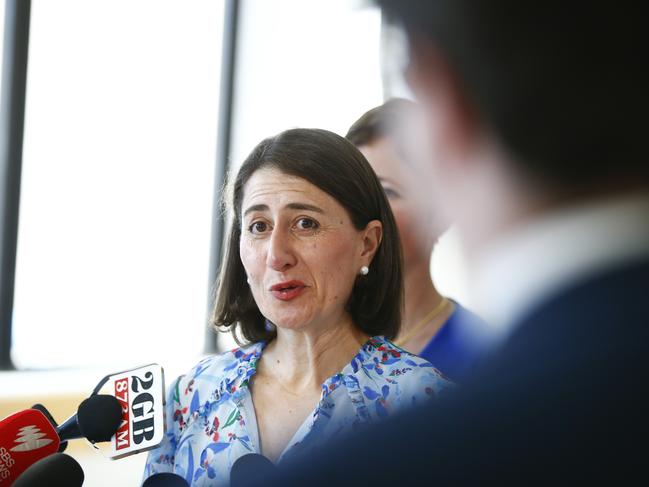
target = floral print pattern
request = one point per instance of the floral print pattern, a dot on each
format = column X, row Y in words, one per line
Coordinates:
column 211, row 420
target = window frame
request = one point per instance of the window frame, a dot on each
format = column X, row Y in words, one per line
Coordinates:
column 12, row 123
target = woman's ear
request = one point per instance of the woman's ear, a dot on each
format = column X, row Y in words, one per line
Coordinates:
column 372, row 235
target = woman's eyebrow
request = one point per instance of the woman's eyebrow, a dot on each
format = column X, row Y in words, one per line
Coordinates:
column 260, row 207
column 304, row 206
column 290, row 206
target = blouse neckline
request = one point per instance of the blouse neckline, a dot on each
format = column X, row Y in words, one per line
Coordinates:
column 238, row 375
column 236, row 383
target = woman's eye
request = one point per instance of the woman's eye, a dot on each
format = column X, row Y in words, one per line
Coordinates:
column 306, row 224
column 258, row 227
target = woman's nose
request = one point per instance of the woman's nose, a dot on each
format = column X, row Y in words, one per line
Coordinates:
column 280, row 255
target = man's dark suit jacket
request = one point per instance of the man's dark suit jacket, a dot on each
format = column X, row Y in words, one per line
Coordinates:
column 565, row 399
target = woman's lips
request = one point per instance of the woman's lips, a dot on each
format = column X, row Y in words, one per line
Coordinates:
column 285, row 291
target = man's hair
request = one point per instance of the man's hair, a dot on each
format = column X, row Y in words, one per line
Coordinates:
column 335, row 166
column 562, row 85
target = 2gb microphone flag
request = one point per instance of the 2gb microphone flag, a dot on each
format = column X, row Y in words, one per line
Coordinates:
column 140, row 392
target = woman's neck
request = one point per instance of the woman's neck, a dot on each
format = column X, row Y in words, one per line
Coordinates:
column 421, row 297
column 302, row 360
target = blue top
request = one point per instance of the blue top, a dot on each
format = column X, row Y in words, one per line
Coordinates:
column 211, row 419
column 460, row 345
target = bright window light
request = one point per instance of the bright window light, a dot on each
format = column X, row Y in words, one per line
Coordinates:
column 117, row 186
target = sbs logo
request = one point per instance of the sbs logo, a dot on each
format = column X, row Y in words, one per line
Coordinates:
column 30, row 438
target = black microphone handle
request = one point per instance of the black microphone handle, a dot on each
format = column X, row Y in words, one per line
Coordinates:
column 165, row 479
column 251, row 469
column 69, row 429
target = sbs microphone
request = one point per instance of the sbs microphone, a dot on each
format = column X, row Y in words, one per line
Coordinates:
column 56, row 469
column 48, row 415
column 98, row 418
column 251, row 469
column 25, row 437
column 39, row 407
column 165, row 479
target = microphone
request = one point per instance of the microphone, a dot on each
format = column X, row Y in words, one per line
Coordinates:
column 30, row 435
column 48, row 415
column 140, row 393
column 39, row 407
column 98, row 418
column 25, row 437
column 251, row 469
column 131, row 418
column 165, row 479
column 56, row 469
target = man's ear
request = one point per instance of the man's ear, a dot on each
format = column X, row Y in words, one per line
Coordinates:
column 437, row 86
column 372, row 235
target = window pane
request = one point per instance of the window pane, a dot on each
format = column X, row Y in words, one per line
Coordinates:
column 304, row 64
column 120, row 139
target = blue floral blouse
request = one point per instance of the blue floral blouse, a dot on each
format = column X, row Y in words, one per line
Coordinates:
column 211, row 419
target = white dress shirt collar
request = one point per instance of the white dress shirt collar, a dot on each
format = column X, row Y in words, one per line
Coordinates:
column 524, row 267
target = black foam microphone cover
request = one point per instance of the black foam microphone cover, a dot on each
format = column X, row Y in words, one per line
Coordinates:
column 99, row 417
column 56, row 469
column 165, row 479
column 251, row 469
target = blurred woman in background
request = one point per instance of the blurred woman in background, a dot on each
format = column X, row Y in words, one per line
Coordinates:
column 311, row 280
column 437, row 328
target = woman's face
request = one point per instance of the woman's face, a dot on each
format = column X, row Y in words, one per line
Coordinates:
column 300, row 250
column 416, row 226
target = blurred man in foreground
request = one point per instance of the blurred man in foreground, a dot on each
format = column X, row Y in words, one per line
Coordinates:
column 535, row 123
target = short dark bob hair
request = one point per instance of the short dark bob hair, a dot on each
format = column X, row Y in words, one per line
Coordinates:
column 334, row 165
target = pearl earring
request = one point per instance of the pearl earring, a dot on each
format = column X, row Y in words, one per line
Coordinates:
column 248, row 281
column 365, row 270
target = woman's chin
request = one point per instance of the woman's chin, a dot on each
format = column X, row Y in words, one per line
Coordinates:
column 291, row 323
column 292, row 326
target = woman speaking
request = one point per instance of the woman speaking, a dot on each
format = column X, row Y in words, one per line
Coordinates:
column 312, row 282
